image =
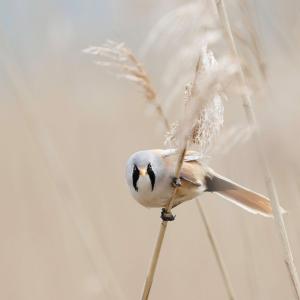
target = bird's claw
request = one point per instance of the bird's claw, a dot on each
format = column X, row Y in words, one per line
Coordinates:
column 176, row 182
column 167, row 216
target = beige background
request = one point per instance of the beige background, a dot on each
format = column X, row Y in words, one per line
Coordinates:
column 69, row 228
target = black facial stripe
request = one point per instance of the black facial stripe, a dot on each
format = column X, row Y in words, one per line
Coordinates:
column 151, row 175
column 135, row 177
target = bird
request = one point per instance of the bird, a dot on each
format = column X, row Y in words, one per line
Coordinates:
column 150, row 175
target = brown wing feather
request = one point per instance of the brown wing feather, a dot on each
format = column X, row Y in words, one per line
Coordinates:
column 193, row 172
column 191, row 175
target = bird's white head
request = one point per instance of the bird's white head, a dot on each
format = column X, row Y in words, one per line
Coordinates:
column 145, row 172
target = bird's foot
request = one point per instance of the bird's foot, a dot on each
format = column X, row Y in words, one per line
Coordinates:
column 166, row 216
column 176, row 182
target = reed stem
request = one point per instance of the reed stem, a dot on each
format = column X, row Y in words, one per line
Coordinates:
column 161, row 235
column 216, row 251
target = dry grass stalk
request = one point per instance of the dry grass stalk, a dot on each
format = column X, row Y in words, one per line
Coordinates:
column 164, row 224
column 251, row 117
column 161, row 235
column 216, row 251
column 254, row 45
column 116, row 55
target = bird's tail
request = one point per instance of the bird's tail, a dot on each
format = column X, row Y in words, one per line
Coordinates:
column 239, row 195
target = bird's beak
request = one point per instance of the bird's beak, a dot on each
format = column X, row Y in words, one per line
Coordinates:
column 143, row 172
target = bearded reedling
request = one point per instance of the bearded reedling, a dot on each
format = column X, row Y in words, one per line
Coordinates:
column 151, row 178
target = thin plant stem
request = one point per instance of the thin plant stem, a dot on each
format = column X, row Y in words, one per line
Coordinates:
column 216, row 252
column 117, row 55
column 154, row 261
column 162, row 231
column 164, row 224
column 150, row 93
column 161, row 114
column 251, row 117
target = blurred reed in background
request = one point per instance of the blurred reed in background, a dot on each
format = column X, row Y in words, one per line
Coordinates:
column 69, row 225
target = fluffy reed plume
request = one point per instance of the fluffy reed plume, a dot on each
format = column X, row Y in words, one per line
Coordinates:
column 121, row 59
column 116, row 55
column 178, row 37
column 204, row 114
column 179, row 33
column 185, row 21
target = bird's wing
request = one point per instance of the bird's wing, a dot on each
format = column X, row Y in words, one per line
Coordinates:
column 193, row 172
column 190, row 155
column 166, row 152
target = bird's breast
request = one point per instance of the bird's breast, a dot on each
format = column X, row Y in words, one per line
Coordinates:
column 157, row 197
column 144, row 184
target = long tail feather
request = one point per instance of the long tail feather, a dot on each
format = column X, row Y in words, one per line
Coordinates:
column 239, row 195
